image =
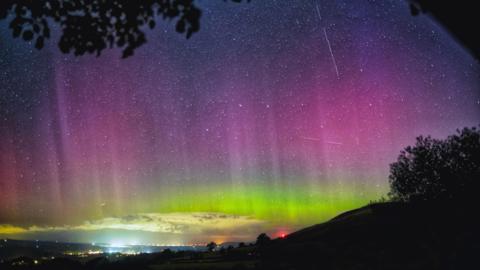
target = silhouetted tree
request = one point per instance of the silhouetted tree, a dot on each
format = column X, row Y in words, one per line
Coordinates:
column 262, row 239
column 211, row 246
column 91, row 26
column 241, row 244
column 438, row 169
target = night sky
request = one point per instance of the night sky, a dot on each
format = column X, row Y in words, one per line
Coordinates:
column 275, row 116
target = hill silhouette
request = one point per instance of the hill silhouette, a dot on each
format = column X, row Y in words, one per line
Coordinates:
column 431, row 223
column 389, row 235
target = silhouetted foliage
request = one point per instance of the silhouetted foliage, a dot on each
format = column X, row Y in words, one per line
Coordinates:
column 438, row 169
column 211, row 246
column 91, row 26
column 263, row 239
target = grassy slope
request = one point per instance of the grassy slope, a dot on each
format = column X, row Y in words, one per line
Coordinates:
column 377, row 236
column 381, row 236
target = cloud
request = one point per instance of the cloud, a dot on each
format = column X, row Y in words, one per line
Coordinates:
column 10, row 229
column 196, row 223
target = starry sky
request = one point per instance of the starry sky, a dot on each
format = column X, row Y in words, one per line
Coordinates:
column 275, row 116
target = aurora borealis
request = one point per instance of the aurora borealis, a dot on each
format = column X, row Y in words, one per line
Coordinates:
column 276, row 115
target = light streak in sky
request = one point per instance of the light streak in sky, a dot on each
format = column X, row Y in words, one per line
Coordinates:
column 318, row 11
column 331, row 52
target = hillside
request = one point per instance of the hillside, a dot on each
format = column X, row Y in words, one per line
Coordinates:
column 381, row 236
column 377, row 236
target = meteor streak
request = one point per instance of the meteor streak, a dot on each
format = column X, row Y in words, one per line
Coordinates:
column 331, row 52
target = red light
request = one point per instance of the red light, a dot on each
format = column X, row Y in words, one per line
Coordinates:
column 283, row 235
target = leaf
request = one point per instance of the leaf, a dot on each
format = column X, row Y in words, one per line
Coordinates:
column 39, row 42
column 27, row 35
column 127, row 52
column 151, row 24
column 16, row 31
column 180, row 26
